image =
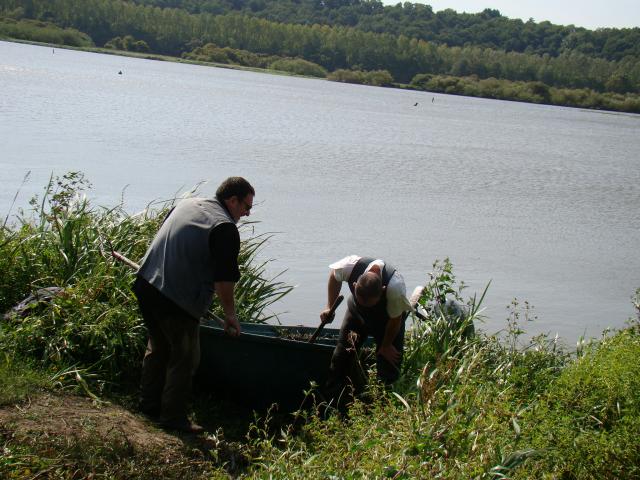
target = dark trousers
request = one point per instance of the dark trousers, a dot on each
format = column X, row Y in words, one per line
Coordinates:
column 346, row 375
column 172, row 355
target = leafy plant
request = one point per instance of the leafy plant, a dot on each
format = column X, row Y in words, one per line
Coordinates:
column 92, row 324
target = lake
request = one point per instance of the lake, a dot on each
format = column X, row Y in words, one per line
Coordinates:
column 542, row 201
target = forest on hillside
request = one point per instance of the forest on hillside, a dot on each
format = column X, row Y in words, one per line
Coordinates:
column 487, row 29
column 343, row 53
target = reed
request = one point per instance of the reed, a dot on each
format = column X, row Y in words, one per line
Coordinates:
column 93, row 325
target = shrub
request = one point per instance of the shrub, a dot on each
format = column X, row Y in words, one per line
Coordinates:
column 585, row 420
column 534, row 92
column 46, row 32
column 421, row 80
column 128, row 43
column 376, row 78
column 212, row 53
column 379, row 78
column 346, row 76
column 299, row 67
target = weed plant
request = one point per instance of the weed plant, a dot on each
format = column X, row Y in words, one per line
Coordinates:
column 472, row 405
column 467, row 404
column 93, row 327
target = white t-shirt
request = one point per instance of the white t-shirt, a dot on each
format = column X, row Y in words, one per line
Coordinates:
column 397, row 301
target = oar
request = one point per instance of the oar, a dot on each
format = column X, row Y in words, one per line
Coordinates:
column 332, row 311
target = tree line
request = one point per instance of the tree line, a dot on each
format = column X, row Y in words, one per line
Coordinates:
column 343, row 53
column 487, row 29
column 174, row 32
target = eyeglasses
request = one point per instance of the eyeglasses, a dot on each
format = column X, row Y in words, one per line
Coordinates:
column 247, row 206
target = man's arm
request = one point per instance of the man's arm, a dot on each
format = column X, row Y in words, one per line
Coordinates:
column 397, row 305
column 333, row 290
column 387, row 350
column 224, row 290
column 224, row 242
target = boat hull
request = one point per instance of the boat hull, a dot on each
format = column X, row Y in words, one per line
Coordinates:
column 266, row 364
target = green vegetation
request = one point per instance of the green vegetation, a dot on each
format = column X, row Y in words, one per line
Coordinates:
column 174, row 32
column 92, row 326
column 595, row 411
column 214, row 54
column 487, row 29
column 467, row 405
column 128, row 44
column 299, row 67
column 19, row 381
column 39, row 31
column 397, row 40
column 233, row 56
column 378, row 78
column 532, row 92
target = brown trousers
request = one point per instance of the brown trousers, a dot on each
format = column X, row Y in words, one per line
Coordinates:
column 172, row 355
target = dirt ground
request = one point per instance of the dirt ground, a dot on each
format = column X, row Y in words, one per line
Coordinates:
column 54, row 422
column 78, row 417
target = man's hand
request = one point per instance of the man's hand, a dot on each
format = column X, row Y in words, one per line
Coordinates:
column 224, row 290
column 390, row 353
column 232, row 326
column 333, row 290
column 326, row 316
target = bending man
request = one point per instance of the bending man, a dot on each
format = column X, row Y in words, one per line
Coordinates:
column 377, row 307
column 193, row 256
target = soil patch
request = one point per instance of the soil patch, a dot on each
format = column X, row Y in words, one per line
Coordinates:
column 82, row 418
column 74, row 426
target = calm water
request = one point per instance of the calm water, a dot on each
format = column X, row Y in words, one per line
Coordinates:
column 542, row 201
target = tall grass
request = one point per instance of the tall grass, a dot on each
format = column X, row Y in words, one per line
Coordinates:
column 256, row 292
column 467, row 404
column 94, row 325
column 472, row 405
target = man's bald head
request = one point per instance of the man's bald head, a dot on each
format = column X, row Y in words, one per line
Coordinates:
column 369, row 287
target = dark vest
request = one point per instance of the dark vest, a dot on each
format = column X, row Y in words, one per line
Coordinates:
column 377, row 313
column 178, row 262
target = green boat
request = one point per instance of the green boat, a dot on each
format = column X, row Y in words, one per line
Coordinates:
column 266, row 364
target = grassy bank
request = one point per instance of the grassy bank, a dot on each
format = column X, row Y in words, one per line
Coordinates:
column 468, row 404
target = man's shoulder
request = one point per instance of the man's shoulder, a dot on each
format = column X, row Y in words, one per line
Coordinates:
column 348, row 261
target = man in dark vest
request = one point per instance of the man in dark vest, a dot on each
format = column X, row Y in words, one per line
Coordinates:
column 193, row 256
column 378, row 306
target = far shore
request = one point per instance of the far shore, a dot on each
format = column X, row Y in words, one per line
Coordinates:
column 169, row 58
column 156, row 56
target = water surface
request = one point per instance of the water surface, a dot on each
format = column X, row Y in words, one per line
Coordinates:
column 542, row 201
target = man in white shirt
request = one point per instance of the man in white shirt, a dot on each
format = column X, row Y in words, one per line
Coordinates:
column 378, row 306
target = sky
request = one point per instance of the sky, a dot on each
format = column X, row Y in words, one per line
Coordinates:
column 590, row 14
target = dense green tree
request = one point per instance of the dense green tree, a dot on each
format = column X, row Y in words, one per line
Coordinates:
column 487, row 29
column 176, row 32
